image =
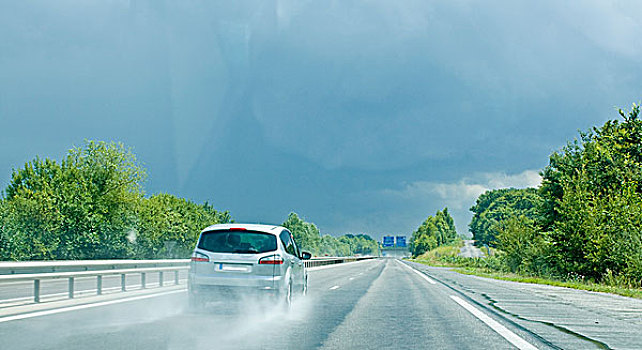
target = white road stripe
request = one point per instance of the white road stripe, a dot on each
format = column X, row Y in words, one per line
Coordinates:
column 430, row 280
column 351, row 278
column 85, row 306
column 501, row 330
column 333, row 288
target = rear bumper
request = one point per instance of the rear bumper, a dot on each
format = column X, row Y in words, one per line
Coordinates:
column 227, row 293
column 236, row 281
column 231, row 288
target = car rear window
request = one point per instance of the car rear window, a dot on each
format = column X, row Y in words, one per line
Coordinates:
column 240, row 242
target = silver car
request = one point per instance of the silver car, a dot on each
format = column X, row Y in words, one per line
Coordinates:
column 232, row 260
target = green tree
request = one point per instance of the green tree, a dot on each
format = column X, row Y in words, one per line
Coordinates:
column 592, row 191
column 81, row 208
column 31, row 219
column 308, row 237
column 328, row 246
column 91, row 206
column 599, row 234
column 522, row 245
column 495, row 206
column 306, row 234
column 434, row 231
column 446, row 231
column 607, row 157
column 168, row 226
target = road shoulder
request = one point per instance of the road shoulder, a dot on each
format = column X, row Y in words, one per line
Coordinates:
column 569, row 318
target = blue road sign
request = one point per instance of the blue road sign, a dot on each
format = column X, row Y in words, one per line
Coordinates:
column 388, row 241
column 401, row 241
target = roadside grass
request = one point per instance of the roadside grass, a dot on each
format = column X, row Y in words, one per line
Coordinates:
column 492, row 267
column 436, row 255
column 589, row 286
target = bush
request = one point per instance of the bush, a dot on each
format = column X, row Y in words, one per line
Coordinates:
column 523, row 247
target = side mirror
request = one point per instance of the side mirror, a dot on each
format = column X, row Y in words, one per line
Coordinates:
column 306, row 256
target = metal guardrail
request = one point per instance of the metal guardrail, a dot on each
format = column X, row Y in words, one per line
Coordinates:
column 37, row 271
column 20, row 267
column 315, row 262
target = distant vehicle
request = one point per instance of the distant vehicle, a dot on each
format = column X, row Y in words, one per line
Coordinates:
column 235, row 260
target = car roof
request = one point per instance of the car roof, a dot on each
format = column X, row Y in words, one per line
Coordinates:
column 250, row 227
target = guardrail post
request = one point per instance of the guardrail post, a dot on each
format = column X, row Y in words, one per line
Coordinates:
column 71, row 276
column 36, row 291
column 71, row 287
column 99, row 284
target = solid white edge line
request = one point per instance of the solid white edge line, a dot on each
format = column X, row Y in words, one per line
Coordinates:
column 513, row 338
column 430, row 280
column 333, row 288
column 84, row 306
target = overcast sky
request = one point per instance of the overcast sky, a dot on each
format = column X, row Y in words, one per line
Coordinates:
column 362, row 116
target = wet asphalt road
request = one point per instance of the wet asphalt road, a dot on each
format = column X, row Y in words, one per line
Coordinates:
column 376, row 304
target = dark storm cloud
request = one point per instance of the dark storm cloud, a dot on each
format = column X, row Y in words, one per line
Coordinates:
column 361, row 115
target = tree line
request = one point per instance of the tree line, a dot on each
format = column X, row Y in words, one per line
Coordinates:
column 91, row 205
column 309, row 238
column 584, row 220
column 435, row 231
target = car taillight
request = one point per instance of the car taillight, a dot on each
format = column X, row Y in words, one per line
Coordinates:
column 200, row 257
column 271, row 260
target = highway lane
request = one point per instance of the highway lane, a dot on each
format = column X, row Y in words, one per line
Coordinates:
column 401, row 310
column 370, row 304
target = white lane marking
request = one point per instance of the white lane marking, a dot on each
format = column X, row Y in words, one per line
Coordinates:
column 430, row 280
column 333, row 288
column 85, row 306
column 351, row 278
column 501, row 330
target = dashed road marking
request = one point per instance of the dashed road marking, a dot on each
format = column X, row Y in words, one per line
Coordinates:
column 333, row 288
